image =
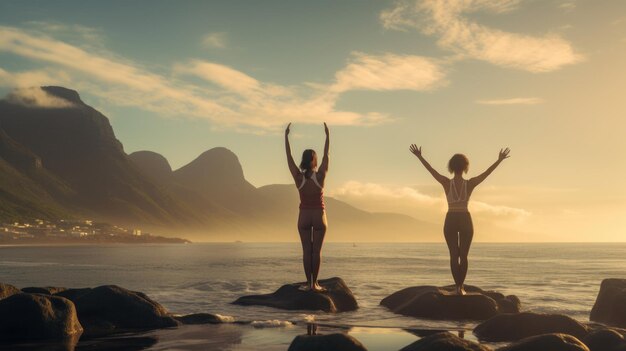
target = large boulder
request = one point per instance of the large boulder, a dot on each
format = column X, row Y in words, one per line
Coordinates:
column 610, row 306
column 110, row 308
column 38, row 317
column 48, row 290
column 7, row 290
column 444, row 342
column 330, row 342
column 605, row 340
column 443, row 303
column 512, row 327
column 337, row 298
column 547, row 342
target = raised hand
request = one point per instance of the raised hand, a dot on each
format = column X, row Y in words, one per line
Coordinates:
column 504, row 154
column 326, row 129
column 417, row 151
column 287, row 130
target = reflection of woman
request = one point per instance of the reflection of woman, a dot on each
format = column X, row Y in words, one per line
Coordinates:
column 458, row 229
column 312, row 218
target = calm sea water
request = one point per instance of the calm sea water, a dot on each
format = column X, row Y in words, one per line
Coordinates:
column 561, row 278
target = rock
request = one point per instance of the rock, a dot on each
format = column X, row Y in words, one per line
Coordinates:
column 443, row 303
column 110, row 308
column 338, row 298
column 48, row 290
column 330, row 342
column 199, row 318
column 610, row 306
column 547, row 342
column 511, row 327
column 7, row 290
column 444, row 342
column 38, row 317
column 605, row 340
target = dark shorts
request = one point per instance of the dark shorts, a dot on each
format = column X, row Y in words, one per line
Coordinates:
column 458, row 223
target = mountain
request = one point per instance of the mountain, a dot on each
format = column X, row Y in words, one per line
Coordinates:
column 60, row 158
column 153, row 165
column 75, row 143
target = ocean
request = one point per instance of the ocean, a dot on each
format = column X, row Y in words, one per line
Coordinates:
column 207, row 277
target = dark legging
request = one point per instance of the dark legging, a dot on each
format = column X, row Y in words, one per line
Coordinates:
column 459, row 231
column 312, row 227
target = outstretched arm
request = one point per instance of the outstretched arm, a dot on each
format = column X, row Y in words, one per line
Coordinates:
column 417, row 151
column 292, row 164
column 504, row 154
column 324, row 165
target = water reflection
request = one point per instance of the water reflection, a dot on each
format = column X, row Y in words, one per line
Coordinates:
column 116, row 343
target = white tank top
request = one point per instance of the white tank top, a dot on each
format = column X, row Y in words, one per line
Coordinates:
column 313, row 178
column 457, row 198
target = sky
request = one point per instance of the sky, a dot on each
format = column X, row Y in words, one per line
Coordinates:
column 545, row 78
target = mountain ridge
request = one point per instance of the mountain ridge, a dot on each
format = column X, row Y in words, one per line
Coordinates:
column 68, row 158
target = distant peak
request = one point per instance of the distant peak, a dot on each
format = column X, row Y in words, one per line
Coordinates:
column 222, row 151
column 63, row 93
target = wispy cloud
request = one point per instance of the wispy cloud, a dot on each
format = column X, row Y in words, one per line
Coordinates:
column 389, row 72
column 73, row 32
column 568, row 5
column 214, row 40
column 36, row 97
column 512, row 101
column 231, row 99
column 446, row 20
column 33, row 78
column 221, row 75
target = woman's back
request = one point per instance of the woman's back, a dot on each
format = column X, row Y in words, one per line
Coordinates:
column 311, row 191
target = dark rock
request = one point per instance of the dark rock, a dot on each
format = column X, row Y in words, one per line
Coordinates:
column 443, row 303
column 110, row 308
column 330, row 342
column 547, row 342
column 199, row 318
column 338, row 298
column 605, row 340
column 511, row 327
column 610, row 306
column 444, row 342
column 509, row 304
column 37, row 317
column 48, row 290
column 63, row 93
column 7, row 290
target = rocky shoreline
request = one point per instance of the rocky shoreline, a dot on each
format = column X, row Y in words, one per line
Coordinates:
column 66, row 315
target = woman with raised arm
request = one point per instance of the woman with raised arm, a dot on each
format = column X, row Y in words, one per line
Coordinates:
column 312, row 218
column 458, row 228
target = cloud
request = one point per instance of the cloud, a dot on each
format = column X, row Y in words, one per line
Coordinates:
column 32, row 78
column 512, row 101
column 36, row 97
column 214, row 40
column 568, row 5
column 72, row 32
column 388, row 72
column 222, row 75
column 456, row 33
column 228, row 97
column 410, row 201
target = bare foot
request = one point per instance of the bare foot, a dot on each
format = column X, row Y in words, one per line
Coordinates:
column 305, row 287
column 460, row 290
column 318, row 288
